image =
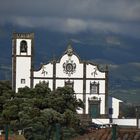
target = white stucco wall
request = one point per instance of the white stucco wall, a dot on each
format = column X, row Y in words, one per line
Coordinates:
column 100, row 121
column 114, row 103
column 23, row 66
column 120, row 122
column 60, row 83
column 45, row 73
column 125, row 122
column 48, row 69
column 49, row 81
column 79, row 96
column 78, row 86
column 77, row 78
column 91, row 69
column 60, row 71
column 102, row 105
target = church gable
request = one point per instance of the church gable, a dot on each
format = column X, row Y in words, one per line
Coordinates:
column 69, row 65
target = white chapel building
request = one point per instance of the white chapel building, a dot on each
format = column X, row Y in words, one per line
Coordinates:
column 88, row 80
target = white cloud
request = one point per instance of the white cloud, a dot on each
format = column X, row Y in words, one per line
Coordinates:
column 74, row 15
column 113, row 40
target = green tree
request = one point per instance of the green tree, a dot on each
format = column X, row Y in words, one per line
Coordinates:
column 6, row 94
column 39, row 112
column 129, row 110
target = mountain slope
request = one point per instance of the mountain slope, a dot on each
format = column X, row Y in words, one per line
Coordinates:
column 120, row 53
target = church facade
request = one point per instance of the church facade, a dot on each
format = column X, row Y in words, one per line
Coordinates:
column 87, row 79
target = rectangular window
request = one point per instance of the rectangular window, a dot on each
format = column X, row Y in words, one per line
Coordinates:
column 94, row 88
column 22, row 81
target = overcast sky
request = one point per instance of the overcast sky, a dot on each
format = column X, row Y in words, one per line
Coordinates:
column 118, row 16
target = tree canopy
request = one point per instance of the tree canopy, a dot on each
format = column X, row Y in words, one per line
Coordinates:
column 40, row 112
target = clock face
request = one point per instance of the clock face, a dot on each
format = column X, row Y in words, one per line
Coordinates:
column 69, row 67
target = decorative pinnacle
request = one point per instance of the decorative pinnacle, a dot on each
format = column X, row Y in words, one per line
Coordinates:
column 69, row 50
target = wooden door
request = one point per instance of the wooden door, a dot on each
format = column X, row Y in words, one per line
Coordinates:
column 94, row 110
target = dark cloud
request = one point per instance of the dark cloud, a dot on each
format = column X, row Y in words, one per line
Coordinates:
column 120, row 16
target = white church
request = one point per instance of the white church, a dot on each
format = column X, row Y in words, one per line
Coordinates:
column 88, row 80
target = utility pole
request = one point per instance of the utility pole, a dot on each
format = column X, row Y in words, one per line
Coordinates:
column 6, row 132
column 114, row 131
column 137, row 116
column 57, row 133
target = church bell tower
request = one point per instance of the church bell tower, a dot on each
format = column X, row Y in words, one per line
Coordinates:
column 22, row 60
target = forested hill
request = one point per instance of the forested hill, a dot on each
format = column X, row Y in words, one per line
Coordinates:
column 120, row 53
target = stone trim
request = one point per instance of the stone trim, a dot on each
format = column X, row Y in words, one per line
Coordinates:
column 22, row 55
column 23, row 35
column 54, row 75
column 32, row 65
column 106, row 92
column 63, row 78
column 84, row 86
column 14, row 65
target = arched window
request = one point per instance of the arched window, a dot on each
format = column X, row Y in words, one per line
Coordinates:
column 94, row 88
column 23, row 46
